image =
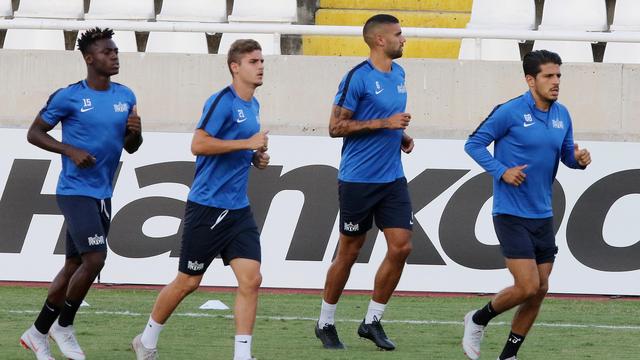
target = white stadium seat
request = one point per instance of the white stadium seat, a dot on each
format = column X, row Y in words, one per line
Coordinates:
column 186, row 42
column 52, row 9
column 584, row 15
column 177, row 42
column 498, row 14
column 563, row 15
column 512, row 14
column 6, row 10
column 122, row 10
column 283, row 11
column 257, row 11
column 42, row 39
column 193, row 10
column 33, row 39
column 626, row 18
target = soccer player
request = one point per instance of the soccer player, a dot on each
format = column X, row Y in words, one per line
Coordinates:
column 218, row 219
column 531, row 134
column 98, row 119
column 369, row 113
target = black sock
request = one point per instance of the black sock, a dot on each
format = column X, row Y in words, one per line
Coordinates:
column 47, row 317
column 68, row 312
column 484, row 315
column 511, row 347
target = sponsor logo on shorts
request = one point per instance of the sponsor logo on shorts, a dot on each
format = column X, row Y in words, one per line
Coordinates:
column 351, row 227
column 96, row 240
column 194, row 265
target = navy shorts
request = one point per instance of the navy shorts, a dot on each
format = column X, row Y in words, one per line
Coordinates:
column 209, row 232
column 87, row 220
column 360, row 203
column 524, row 238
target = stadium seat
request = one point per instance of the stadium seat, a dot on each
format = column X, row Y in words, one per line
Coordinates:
column 193, row 10
column 569, row 51
column 512, row 14
column 33, row 39
column 121, row 10
column 283, row 11
column 255, row 11
column 186, row 42
column 53, row 9
column 581, row 15
column 177, row 42
column 562, row 15
column 498, row 14
column 36, row 39
column 6, row 10
column 626, row 18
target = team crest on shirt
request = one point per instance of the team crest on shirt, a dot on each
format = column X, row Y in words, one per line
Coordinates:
column 121, row 107
column 402, row 89
column 557, row 123
column 241, row 117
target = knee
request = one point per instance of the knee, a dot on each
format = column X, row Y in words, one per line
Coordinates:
column 542, row 290
column 94, row 262
column 348, row 256
column 529, row 290
column 401, row 252
column 250, row 283
column 187, row 284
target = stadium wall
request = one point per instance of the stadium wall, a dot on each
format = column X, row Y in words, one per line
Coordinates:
column 447, row 98
column 295, row 199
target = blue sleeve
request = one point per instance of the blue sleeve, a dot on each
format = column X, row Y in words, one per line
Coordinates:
column 493, row 128
column 217, row 111
column 567, row 154
column 56, row 108
column 350, row 90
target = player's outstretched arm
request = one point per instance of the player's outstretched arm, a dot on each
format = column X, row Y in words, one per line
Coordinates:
column 341, row 123
column 38, row 135
column 133, row 135
column 205, row 144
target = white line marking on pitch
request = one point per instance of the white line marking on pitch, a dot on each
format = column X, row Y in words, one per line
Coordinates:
column 297, row 318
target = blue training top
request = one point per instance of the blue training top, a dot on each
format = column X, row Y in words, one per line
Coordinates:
column 372, row 157
column 221, row 180
column 524, row 135
column 94, row 121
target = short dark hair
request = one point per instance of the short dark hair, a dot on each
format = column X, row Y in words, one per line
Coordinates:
column 533, row 59
column 239, row 48
column 376, row 20
column 90, row 36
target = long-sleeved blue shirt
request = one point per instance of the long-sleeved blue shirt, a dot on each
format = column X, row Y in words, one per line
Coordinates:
column 524, row 135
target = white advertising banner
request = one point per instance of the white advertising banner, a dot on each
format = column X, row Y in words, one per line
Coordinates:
column 295, row 205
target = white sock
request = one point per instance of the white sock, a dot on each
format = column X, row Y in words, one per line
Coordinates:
column 151, row 333
column 374, row 312
column 327, row 314
column 242, row 349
